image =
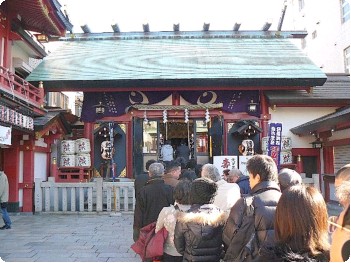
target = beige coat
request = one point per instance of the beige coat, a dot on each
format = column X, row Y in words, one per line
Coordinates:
column 4, row 188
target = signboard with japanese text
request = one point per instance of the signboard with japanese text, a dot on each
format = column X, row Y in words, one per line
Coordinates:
column 15, row 118
column 274, row 141
column 242, row 164
column 225, row 162
column 5, row 135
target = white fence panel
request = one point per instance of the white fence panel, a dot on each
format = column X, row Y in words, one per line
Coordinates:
column 97, row 196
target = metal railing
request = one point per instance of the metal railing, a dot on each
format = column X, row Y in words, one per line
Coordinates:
column 16, row 86
column 96, row 196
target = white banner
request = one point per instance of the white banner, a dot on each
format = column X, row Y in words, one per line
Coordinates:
column 242, row 164
column 5, row 135
column 225, row 162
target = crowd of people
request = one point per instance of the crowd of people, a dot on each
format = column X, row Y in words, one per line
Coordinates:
column 267, row 215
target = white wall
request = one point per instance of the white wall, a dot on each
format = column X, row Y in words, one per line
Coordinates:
column 40, row 166
column 288, row 117
column 333, row 36
column 343, row 134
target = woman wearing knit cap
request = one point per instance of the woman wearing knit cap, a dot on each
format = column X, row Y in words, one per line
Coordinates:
column 198, row 232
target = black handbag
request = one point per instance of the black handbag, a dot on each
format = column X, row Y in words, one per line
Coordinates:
column 3, row 205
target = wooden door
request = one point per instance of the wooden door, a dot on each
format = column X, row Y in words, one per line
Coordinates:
column 137, row 146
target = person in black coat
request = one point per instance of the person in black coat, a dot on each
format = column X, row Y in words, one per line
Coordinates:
column 240, row 245
column 152, row 197
column 139, row 183
column 141, row 179
column 198, row 232
column 183, row 151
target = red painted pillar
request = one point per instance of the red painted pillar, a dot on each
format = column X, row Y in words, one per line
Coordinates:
column 89, row 134
column 11, row 169
column 129, row 150
column 28, row 175
column 175, row 98
column 299, row 164
column 88, row 130
column 265, row 116
column 7, row 59
column 328, row 156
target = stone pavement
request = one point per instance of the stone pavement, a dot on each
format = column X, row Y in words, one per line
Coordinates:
column 86, row 237
column 68, row 238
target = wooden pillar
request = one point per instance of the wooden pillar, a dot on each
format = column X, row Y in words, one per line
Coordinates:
column 42, row 94
column 265, row 116
column 299, row 164
column 7, row 59
column 175, row 99
column 89, row 134
column 328, row 156
column 88, row 130
column 53, row 168
column 129, row 150
column 28, row 175
column 11, row 169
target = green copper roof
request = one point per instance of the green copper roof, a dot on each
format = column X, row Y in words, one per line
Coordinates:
column 174, row 62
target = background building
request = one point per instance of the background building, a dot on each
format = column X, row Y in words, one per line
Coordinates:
column 327, row 44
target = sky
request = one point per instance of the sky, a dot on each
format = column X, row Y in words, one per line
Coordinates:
column 162, row 14
column 130, row 15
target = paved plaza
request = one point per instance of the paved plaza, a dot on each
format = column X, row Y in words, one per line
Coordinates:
column 68, row 238
column 79, row 237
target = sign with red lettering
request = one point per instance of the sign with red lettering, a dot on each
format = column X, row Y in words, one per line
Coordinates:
column 225, row 162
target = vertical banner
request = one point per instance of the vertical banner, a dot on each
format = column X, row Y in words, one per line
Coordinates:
column 274, row 142
column 5, row 135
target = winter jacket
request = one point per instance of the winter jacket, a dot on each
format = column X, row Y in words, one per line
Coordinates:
column 235, row 236
column 170, row 180
column 140, row 182
column 244, row 185
column 198, row 233
column 152, row 198
column 168, row 218
column 227, row 195
column 4, row 188
column 283, row 253
column 183, row 151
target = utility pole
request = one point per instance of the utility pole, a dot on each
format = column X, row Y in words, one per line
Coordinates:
column 282, row 17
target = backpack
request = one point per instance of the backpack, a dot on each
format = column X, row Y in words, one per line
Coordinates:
column 246, row 230
column 247, row 226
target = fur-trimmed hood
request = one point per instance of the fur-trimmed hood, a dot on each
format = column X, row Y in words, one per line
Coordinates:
column 205, row 215
column 283, row 253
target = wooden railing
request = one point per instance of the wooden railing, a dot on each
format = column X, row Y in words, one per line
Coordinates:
column 16, row 86
column 96, row 196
